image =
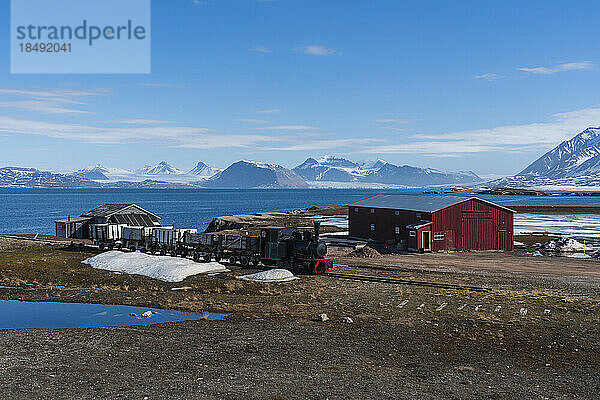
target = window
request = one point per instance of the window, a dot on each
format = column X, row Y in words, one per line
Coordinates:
column 419, row 215
column 356, row 209
column 438, row 236
column 397, row 213
column 412, row 233
column 397, row 230
column 372, row 227
column 372, row 211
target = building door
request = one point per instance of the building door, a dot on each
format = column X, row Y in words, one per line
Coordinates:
column 426, row 240
column 476, row 234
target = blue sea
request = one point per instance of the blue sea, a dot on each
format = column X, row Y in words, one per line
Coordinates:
column 34, row 210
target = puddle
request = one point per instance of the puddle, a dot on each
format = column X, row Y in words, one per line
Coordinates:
column 16, row 314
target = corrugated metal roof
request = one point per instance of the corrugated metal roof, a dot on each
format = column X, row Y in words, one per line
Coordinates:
column 74, row 219
column 418, row 224
column 424, row 203
column 105, row 209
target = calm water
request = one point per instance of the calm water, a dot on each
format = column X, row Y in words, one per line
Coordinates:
column 22, row 315
column 34, row 210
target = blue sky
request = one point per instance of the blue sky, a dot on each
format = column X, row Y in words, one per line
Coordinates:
column 485, row 86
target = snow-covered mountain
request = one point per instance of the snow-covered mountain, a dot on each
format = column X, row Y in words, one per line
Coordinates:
column 574, row 163
column 95, row 173
column 162, row 168
column 252, row 174
column 335, row 169
column 31, row 177
column 577, row 157
column 202, row 169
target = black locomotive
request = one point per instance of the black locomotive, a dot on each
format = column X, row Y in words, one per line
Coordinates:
column 282, row 247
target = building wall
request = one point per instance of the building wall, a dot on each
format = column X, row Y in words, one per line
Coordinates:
column 385, row 222
column 470, row 225
column 473, row 225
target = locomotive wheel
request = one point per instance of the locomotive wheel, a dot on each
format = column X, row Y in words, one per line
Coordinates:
column 218, row 257
column 206, row 257
column 132, row 249
column 101, row 246
column 255, row 262
column 110, row 247
column 196, row 256
column 232, row 260
column 163, row 252
column 143, row 249
column 244, row 261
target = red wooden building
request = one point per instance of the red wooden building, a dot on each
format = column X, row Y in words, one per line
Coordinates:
column 433, row 222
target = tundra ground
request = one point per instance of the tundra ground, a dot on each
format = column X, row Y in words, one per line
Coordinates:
column 534, row 333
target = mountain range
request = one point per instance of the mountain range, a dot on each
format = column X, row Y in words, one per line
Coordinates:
column 573, row 163
column 335, row 169
column 323, row 172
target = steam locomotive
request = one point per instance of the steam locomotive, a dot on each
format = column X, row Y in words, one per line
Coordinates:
column 281, row 247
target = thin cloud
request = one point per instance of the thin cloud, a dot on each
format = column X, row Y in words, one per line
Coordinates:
column 42, row 107
column 393, row 128
column 271, row 111
column 576, row 66
column 287, row 128
column 255, row 121
column 260, row 49
column 50, row 101
column 139, row 121
column 393, row 121
column 507, row 139
column 165, row 85
column 316, row 50
column 488, row 76
column 322, row 144
column 174, row 136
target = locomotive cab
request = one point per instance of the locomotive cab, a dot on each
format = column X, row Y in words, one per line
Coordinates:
column 274, row 244
column 287, row 246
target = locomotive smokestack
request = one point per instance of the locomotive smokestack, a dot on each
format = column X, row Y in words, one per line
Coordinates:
column 317, row 229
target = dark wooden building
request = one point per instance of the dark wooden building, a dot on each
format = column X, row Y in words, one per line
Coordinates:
column 100, row 218
column 433, row 222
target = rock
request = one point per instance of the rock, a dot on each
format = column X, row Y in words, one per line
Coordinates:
column 147, row 314
column 133, row 314
column 323, row 317
column 564, row 245
column 347, row 320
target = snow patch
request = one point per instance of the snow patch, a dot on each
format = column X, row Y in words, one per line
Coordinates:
column 564, row 245
column 533, row 253
column 165, row 268
column 272, row 275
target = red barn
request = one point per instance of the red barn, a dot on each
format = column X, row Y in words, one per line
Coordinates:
column 432, row 222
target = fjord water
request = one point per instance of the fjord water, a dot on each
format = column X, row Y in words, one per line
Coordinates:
column 34, row 210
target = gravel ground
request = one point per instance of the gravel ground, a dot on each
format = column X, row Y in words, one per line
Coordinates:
column 533, row 335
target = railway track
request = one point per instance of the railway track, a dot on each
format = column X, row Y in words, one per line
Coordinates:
column 399, row 281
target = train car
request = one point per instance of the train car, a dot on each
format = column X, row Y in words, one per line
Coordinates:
column 106, row 235
column 283, row 247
